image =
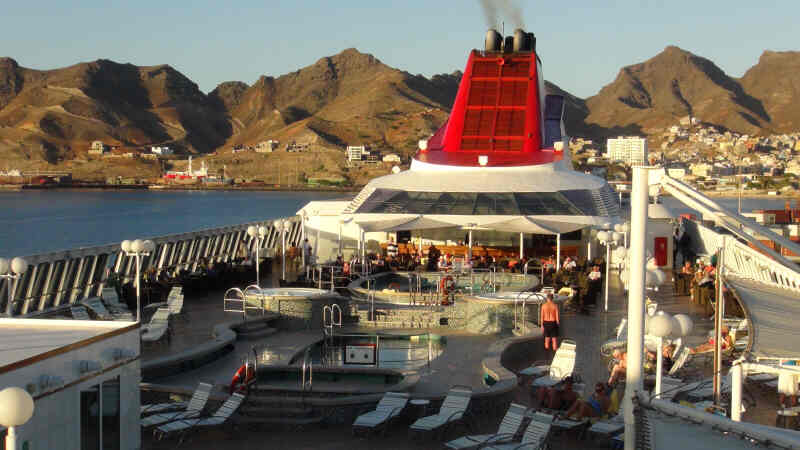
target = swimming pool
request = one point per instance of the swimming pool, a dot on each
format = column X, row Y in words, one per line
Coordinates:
column 381, row 350
column 399, row 287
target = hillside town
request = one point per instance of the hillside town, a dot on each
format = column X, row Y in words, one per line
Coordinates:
column 711, row 159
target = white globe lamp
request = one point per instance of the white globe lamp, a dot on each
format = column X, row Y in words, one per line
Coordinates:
column 685, row 324
column 5, row 266
column 16, row 408
column 126, row 246
column 19, row 265
column 660, row 326
column 252, row 230
column 262, row 231
column 149, row 246
column 136, row 246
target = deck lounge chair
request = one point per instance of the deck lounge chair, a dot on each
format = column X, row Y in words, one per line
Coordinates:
column 535, row 436
column 562, row 366
column 79, row 312
column 175, row 305
column 193, row 409
column 117, row 308
column 609, row 427
column 157, row 327
column 220, row 417
column 98, row 308
column 200, row 395
column 508, row 428
column 389, row 407
column 539, row 368
column 452, row 410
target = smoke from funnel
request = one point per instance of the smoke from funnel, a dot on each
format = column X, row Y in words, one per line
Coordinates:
column 494, row 9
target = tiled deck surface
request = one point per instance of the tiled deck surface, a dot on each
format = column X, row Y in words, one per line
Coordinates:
column 459, row 364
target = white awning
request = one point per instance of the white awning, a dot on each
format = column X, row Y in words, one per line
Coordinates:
column 372, row 222
column 407, row 222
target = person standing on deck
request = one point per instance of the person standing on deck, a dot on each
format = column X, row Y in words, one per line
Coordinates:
column 549, row 320
column 307, row 252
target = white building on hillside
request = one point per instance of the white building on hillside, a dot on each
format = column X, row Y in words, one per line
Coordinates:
column 162, row 151
column 631, row 150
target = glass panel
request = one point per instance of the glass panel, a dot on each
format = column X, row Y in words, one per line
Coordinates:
column 90, row 419
column 575, row 202
column 583, row 200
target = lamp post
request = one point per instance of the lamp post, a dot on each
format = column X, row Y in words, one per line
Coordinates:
column 280, row 225
column 12, row 271
column 663, row 325
column 17, row 410
column 137, row 249
column 257, row 233
column 609, row 239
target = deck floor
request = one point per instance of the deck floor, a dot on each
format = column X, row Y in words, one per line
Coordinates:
column 459, row 364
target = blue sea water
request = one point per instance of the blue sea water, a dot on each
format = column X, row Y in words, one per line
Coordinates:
column 34, row 222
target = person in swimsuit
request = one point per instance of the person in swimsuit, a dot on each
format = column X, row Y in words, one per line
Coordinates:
column 595, row 406
column 555, row 398
column 618, row 371
column 549, row 319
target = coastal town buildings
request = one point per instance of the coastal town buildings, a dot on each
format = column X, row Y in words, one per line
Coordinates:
column 630, row 150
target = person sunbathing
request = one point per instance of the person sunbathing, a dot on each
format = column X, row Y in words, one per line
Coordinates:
column 595, row 406
column 553, row 398
column 727, row 342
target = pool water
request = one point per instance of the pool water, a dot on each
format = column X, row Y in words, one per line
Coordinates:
column 404, row 352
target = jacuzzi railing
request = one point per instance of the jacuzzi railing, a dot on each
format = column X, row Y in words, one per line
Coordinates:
column 235, row 300
column 519, row 319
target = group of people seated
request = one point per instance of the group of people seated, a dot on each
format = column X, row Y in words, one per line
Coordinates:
column 564, row 398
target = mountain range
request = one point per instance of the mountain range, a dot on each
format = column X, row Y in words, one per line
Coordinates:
column 352, row 97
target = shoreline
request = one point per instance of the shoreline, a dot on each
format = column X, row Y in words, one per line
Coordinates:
column 158, row 187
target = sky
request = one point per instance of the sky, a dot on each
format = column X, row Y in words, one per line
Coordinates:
column 582, row 43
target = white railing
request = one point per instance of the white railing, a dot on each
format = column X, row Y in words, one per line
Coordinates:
column 744, row 261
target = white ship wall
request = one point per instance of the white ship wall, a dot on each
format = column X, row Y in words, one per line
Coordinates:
column 56, row 421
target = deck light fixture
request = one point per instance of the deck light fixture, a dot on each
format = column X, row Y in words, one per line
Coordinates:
column 12, row 271
column 137, row 249
column 17, row 410
column 610, row 239
column 258, row 233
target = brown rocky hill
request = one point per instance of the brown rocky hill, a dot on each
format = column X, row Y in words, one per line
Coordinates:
column 673, row 84
column 62, row 110
column 775, row 80
column 347, row 98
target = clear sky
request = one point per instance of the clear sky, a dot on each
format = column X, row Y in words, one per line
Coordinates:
column 583, row 43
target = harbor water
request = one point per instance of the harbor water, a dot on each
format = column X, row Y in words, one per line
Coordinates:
column 34, row 222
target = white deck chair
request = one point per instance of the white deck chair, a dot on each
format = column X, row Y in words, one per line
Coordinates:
column 562, row 366
column 683, row 356
column 98, row 308
column 609, row 427
column 175, row 305
column 535, row 436
column 193, row 409
column 538, row 369
column 79, row 312
column 389, row 407
column 157, row 327
column 117, row 308
column 203, row 390
column 218, row 418
column 508, row 428
column 452, row 410
column 703, row 389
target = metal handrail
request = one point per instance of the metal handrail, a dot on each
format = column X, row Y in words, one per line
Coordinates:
column 308, row 365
